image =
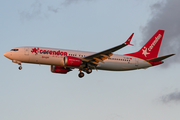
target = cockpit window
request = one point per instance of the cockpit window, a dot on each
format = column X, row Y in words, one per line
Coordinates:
column 14, row 49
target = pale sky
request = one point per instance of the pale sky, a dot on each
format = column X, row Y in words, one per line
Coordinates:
column 34, row 93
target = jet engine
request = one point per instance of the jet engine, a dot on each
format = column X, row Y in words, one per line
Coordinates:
column 72, row 61
column 59, row 69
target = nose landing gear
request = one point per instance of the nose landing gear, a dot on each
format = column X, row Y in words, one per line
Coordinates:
column 18, row 62
column 20, row 67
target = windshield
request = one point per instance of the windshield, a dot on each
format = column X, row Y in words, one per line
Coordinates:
column 14, row 49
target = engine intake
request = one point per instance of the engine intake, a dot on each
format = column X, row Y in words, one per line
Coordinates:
column 72, row 61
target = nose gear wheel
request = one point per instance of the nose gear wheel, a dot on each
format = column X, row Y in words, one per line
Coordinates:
column 20, row 67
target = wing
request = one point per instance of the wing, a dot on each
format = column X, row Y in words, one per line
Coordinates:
column 101, row 56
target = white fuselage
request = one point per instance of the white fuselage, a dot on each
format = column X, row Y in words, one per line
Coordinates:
column 49, row 56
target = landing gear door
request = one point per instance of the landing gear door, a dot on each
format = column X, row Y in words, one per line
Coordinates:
column 26, row 51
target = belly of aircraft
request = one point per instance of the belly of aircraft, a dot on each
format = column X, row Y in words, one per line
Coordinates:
column 118, row 66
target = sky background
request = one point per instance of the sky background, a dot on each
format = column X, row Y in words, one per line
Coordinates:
column 34, row 93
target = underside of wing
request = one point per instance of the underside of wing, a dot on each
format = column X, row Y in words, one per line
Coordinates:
column 101, row 56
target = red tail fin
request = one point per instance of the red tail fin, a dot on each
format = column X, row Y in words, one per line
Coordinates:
column 151, row 48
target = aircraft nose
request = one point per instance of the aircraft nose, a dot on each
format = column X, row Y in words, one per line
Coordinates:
column 5, row 54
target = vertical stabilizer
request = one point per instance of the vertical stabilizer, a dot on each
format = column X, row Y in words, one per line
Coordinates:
column 151, row 48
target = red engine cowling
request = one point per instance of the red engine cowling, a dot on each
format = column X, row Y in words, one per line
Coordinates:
column 59, row 69
column 72, row 61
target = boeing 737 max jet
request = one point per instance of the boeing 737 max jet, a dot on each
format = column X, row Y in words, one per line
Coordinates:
column 63, row 61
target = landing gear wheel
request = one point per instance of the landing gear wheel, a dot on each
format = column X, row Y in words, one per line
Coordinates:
column 88, row 71
column 20, row 67
column 81, row 74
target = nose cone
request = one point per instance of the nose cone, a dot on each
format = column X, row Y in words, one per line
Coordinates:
column 7, row 54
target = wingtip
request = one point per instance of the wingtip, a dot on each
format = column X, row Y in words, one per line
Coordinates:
column 129, row 40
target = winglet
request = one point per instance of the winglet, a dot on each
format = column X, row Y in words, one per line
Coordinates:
column 129, row 40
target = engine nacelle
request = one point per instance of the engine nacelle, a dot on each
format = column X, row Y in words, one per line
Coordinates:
column 72, row 61
column 59, row 69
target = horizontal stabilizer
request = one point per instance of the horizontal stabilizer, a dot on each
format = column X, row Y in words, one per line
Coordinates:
column 160, row 58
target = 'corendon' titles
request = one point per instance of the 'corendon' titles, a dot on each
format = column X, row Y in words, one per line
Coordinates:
column 155, row 41
column 50, row 52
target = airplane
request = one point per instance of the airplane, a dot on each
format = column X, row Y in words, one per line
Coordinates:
column 63, row 61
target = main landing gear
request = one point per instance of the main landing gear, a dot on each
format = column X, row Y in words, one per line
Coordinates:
column 81, row 74
column 88, row 71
